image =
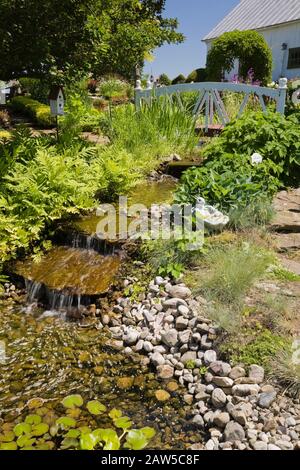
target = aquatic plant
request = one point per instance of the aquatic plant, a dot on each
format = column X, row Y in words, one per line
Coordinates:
column 36, row 432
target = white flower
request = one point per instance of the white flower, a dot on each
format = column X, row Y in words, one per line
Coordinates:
column 256, row 159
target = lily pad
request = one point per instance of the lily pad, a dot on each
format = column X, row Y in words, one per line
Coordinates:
column 69, row 443
column 8, row 446
column 65, row 422
column 148, row 432
column 73, row 433
column 22, row 428
column 40, row 429
column 25, row 441
column 136, row 440
column 33, row 419
column 88, row 441
column 95, row 407
column 123, row 422
column 114, row 413
column 7, row 436
column 72, row 401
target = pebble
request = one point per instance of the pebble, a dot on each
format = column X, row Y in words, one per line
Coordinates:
column 234, row 432
column 218, row 398
column 265, row 400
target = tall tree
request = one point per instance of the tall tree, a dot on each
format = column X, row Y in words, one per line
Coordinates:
column 79, row 36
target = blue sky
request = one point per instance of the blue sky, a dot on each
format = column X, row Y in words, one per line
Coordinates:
column 196, row 19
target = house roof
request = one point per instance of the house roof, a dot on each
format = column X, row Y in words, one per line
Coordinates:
column 257, row 14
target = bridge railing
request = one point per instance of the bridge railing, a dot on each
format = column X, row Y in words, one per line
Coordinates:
column 210, row 97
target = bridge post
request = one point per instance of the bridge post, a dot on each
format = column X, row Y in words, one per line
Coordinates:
column 137, row 94
column 281, row 101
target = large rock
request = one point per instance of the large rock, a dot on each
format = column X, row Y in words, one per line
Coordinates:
column 218, row 398
column 234, row 432
column 257, row 373
column 170, row 338
column 245, row 390
column 209, row 357
column 179, row 292
column 222, row 369
column 237, row 372
column 223, row 382
column 173, row 303
column 184, row 336
column 131, row 337
column 221, row 420
column 182, row 323
column 265, row 400
column 165, row 372
column 157, row 359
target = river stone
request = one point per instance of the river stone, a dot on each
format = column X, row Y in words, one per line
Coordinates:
column 162, row 395
column 184, row 336
column 221, row 419
column 188, row 356
column 218, row 398
column 223, row 382
column 182, row 323
column 179, row 292
column 170, row 338
column 188, row 399
column 237, row 372
column 245, row 390
column 265, row 400
column 198, row 421
column 165, row 371
column 157, row 359
column 257, row 373
column 209, row 357
column 172, row 303
column 183, row 310
column 148, row 347
column 131, row 337
column 222, row 369
column 234, row 432
column 260, row 445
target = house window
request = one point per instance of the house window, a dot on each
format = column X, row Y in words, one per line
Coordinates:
column 294, row 58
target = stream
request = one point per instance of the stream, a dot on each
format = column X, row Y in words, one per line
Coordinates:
column 44, row 356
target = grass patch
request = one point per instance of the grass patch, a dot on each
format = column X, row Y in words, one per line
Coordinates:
column 285, row 368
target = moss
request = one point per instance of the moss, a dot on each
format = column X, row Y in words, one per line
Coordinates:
column 253, row 347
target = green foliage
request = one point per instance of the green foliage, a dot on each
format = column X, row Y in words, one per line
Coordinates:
column 69, row 38
column 249, row 47
column 233, row 271
column 165, row 80
column 37, row 111
column 67, row 433
column 190, row 364
column 37, row 89
column 259, row 347
column 198, row 75
column 285, row 368
column 114, row 87
column 178, row 80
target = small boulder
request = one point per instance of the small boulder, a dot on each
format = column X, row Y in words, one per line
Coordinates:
column 234, row 432
column 179, row 292
column 170, row 338
column 257, row 373
column 265, row 400
column 218, row 398
column 165, row 372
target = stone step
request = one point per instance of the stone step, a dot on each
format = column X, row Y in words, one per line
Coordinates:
column 287, row 207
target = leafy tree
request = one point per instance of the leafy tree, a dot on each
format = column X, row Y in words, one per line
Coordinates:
column 198, row 75
column 165, row 80
column 70, row 37
column 249, row 47
column 178, row 80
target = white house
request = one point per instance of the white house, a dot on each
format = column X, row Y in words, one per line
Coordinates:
column 278, row 21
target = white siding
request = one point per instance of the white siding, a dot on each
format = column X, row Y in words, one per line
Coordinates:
column 275, row 37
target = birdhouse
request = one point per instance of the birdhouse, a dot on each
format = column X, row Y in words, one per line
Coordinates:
column 57, row 101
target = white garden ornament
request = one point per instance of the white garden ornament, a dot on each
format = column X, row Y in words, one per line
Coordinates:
column 213, row 218
column 256, row 159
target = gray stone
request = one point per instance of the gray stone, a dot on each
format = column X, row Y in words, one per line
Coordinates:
column 182, row 323
column 265, row 400
column 245, row 390
column 260, row 445
column 172, row 303
column 198, row 421
column 188, row 399
column 218, row 398
column 159, row 281
column 223, row 382
column 170, row 338
column 234, row 432
column 183, row 310
column 148, row 347
column 131, row 337
column 179, row 292
column 237, row 372
column 284, row 445
column 184, row 336
column 222, row 369
column 209, row 357
column 221, row 420
column 188, row 356
column 239, row 416
column 157, row 359
column 273, row 447
column 257, row 373
column 165, row 372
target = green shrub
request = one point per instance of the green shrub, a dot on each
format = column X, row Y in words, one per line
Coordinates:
column 37, row 111
column 249, row 47
column 272, row 135
column 165, row 80
column 285, row 368
column 198, row 75
column 178, row 80
column 37, row 88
